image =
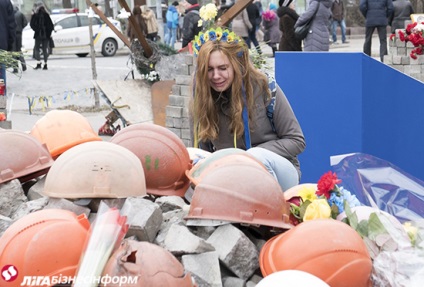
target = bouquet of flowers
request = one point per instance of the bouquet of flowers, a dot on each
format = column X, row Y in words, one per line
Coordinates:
column 414, row 34
column 327, row 201
column 152, row 77
column 207, row 15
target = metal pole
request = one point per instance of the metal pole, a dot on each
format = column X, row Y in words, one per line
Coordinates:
column 93, row 56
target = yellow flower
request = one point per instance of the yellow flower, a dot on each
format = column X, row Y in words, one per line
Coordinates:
column 218, row 33
column 307, row 193
column 317, row 209
column 208, row 12
column 231, row 37
column 200, row 23
column 412, row 231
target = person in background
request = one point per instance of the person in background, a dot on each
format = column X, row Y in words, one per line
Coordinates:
column 136, row 12
column 318, row 38
column 337, row 10
column 241, row 24
column 270, row 24
column 288, row 18
column 21, row 22
column 255, row 19
column 7, row 32
column 43, row 27
column 376, row 13
column 402, row 10
column 191, row 20
column 151, row 22
column 172, row 24
column 229, row 110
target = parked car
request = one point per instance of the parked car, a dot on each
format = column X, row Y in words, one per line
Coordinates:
column 71, row 35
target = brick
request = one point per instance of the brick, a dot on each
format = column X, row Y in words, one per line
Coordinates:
column 183, row 70
column 176, row 90
column 176, row 101
column 186, row 90
column 183, row 80
column 189, row 59
column 176, row 131
column 405, row 60
column 175, row 112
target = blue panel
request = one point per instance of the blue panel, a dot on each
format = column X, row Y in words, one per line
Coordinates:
column 324, row 90
column 349, row 102
column 394, row 113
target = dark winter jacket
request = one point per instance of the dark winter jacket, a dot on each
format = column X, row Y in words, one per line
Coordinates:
column 42, row 25
column 318, row 38
column 402, row 10
column 20, row 19
column 7, row 25
column 376, row 12
column 254, row 15
column 337, row 10
column 288, row 41
column 190, row 24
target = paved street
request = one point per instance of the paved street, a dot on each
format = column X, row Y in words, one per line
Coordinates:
column 68, row 82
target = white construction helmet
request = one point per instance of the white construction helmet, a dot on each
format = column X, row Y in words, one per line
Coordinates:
column 291, row 278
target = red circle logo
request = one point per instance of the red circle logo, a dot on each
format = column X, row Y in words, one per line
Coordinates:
column 9, row 273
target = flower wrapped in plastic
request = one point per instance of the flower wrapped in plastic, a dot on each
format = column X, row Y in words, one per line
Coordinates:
column 207, row 15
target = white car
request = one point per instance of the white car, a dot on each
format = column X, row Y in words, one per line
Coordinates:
column 71, row 35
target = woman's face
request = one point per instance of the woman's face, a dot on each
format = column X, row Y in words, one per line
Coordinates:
column 220, row 71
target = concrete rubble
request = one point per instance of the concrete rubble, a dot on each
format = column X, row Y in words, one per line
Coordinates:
column 223, row 255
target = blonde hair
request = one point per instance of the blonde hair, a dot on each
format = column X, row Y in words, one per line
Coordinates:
column 204, row 109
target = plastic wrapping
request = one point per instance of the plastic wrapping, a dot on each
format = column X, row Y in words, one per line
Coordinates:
column 378, row 183
column 107, row 232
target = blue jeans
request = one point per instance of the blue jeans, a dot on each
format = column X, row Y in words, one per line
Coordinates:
column 342, row 25
column 171, row 37
column 279, row 167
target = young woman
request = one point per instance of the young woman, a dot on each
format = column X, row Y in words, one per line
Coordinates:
column 230, row 103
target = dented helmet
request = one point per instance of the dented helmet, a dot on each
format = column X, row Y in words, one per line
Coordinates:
column 329, row 249
column 146, row 264
column 242, row 193
column 220, row 158
column 96, row 170
column 22, row 157
column 62, row 129
column 49, row 242
column 163, row 155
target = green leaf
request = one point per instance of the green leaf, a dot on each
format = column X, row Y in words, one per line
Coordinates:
column 352, row 217
column 303, row 208
column 375, row 227
column 334, row 211
column 362, row 228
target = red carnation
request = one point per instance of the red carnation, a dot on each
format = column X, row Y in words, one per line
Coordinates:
column 327, row 183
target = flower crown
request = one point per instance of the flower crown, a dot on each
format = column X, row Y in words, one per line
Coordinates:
column 214, row 34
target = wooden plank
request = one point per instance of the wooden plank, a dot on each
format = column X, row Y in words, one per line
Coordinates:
column 160, row 99
column 229, row 15
column 147, row 51
column 131, row 99
column 111, row 26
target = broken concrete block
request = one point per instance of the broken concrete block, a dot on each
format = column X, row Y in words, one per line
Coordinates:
column 62, row 203
column 204, row 268
column 143, row 217
column 11, row 197
column 5, row 222
column 203, row 231
column 110, row 202
column 233, row 282
column 36, row 191
column 169, row 218
column 29, row 207
column 179, row 240
column 235, row 250
column 169, row 203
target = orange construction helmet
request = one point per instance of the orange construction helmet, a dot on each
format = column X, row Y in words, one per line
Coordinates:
column 326, row 248
column 197, row 154
column 218, row 159
column 163, row 155
column 22, row 156
column 240, row 192
column 96, row 170
column 44, row 243
column 146, row 264
column 62, row 129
